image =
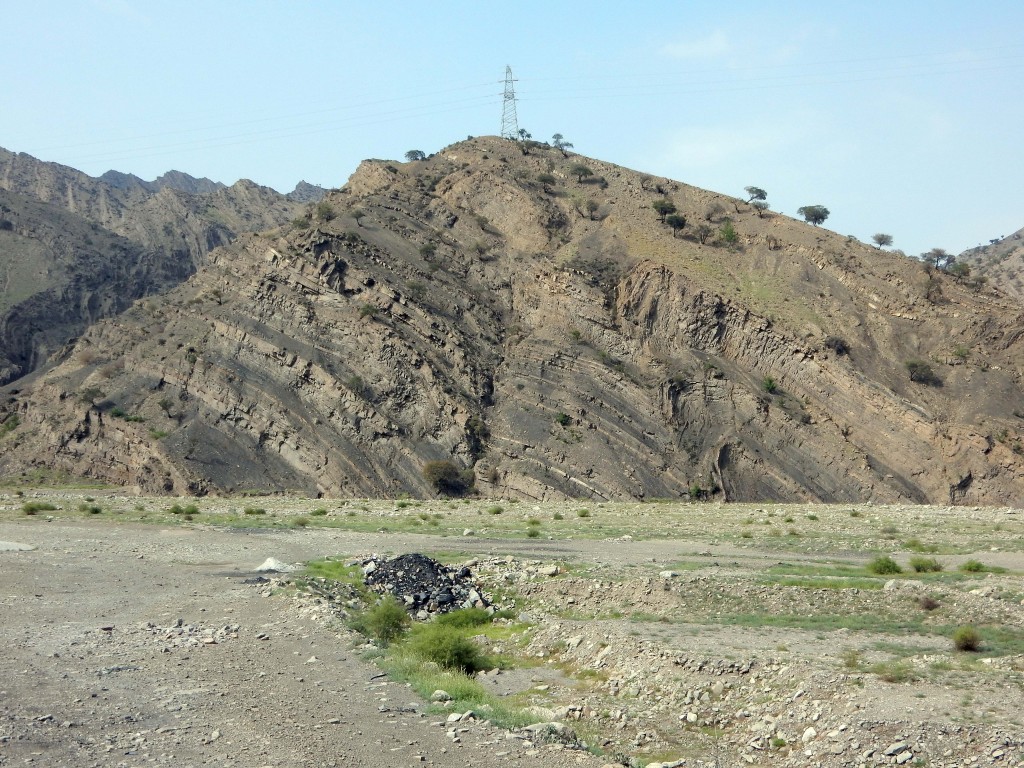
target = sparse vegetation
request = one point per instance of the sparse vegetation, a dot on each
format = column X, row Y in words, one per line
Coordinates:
column 967, row 639
column 921, row 372
column 324, row 211
column 33, row 507
column 813, row 214
column 663, row 208
column 447, row 478
column 580, row 171
column 727, row 232
column 921, row 564
column 884, row 566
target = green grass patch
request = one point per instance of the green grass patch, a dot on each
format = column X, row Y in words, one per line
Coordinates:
column 33, row 507
column 976, row 566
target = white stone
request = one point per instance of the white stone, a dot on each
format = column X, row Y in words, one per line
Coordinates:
column 809, row 735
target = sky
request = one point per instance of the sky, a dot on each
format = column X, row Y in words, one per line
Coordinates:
column 902, row 117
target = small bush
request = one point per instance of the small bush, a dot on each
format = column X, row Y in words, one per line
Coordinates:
column 446, row 646
column 837, row 345
column 254, row 511
column 927, row 603
column 495, row 510
column 851, row 658
column 925, row 564
column 300, row 522
column 884, row 566
column 446, row 477
column 557, row 516
column 563, row 419
column 967, row 638
column 403, row 504
column 385, row 622
column 894, row 671
column 368, row 310
column 90, row 509
column 582, row 513
column 464, row 618
column 176, row 509
column 325, row 211
column 533, row 533
column 769, row 385
column 922, row 372
column 31, row 507
column 318, row 512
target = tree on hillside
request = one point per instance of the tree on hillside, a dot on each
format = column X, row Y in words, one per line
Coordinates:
column 960, row 271
column 547, row 180
column 415, row 154
column 525, row 140
column 592, row 207
column 559, row 143
column 813, row 214
column 881, row 239
column 938, row 258
column 704, row 231
column 579, row 170
column 358, row 214
column 676, row 221
column 760, row 206
column 756, row 193
column 664, row 207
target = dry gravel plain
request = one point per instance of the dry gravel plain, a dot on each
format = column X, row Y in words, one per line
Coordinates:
column 661, row 632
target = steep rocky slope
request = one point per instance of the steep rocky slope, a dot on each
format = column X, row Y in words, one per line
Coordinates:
column 553, row 336
column 95, row 245
column 1001, row 263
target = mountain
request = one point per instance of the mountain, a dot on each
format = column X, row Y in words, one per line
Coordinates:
column 1001, row 263
column 305, row 192
column 56, row 225
column 541, row 329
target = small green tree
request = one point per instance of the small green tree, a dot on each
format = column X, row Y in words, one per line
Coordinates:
column 415, row 154
column 755, row 193
column 664, row 207
column 760, row 206
column 676, row 221
column 559, row 143
column 592, row 207
column 939, row 258
column 547, row 180
column 813, row 214
column 358, row 214
column 882, row 240
column 580, row 171
column 921, row 372
column 325, row 211
column 447, row 478
column 728, row 233
column 960, row 271
column 90, row 395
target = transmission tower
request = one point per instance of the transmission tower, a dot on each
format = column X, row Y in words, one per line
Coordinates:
column 509, row 121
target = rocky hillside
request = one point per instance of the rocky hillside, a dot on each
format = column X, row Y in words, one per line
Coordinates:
column 58, row 228
column 1001, row 263
column 545, row 331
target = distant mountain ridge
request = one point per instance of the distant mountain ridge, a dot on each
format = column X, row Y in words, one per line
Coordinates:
column 55, row 223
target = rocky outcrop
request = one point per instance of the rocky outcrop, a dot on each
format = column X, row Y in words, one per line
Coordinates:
column 471, row 314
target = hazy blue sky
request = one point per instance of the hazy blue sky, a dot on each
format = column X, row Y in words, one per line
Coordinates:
column 900, row 116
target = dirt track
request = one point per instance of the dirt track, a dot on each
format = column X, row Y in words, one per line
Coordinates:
column 76, row 694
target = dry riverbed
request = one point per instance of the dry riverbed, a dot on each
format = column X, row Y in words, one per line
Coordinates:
column 657, row 632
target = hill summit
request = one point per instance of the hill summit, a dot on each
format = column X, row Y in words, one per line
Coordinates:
column 506, row 316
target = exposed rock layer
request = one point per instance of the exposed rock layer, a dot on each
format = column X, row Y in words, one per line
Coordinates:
column 474, row 314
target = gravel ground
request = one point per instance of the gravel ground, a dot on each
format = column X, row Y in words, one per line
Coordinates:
column 130, row 643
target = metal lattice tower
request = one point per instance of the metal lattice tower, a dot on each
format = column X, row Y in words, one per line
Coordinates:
column 509, row 121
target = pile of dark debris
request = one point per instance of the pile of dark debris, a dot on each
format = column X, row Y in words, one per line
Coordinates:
column 425, row 586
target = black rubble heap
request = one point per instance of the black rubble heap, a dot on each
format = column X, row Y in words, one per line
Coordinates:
column 423, row 584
